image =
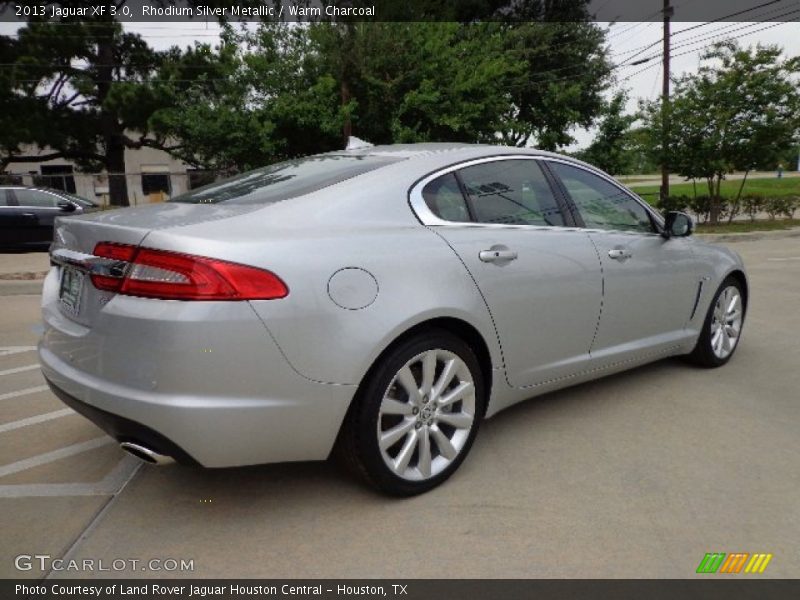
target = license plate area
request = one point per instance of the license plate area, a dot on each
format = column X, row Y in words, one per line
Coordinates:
column 71, row 289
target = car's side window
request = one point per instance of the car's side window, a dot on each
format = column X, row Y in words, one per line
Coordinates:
column 4, row 198
column 600, row 203
column 513, row 192
column 35, row 198
column 443, row 196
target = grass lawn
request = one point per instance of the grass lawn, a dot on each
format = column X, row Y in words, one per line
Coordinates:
column 744, row 226
column 786, row 186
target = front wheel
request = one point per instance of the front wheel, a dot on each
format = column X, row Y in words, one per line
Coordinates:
column 416, row 415
column 722, row 327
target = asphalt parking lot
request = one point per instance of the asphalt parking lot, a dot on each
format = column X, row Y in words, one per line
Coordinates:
column 636, row 475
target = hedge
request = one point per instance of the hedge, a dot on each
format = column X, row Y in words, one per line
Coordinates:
column 730, row 208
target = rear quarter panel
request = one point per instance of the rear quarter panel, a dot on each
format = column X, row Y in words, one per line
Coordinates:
column 364, row 223
column 418, row 278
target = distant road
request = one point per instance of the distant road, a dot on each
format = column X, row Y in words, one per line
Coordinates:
column 644, row 180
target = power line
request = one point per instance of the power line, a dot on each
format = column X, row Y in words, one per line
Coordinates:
column 722, row 35
column 695, row 50
column 635, row 25
column 735, row 14
column 640, row 50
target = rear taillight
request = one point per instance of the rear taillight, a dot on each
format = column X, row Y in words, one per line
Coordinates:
column 110, row 277
column 174, row 276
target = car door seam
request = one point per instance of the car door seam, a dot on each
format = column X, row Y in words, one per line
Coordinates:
column 485, row 303
column 602, row 293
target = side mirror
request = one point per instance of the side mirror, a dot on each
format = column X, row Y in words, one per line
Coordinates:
column 677, row 224
column 66, row 206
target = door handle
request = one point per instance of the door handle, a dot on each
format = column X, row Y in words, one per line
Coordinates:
column 619, row 253
column 493, row 256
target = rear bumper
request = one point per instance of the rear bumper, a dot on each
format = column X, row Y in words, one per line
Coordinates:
column 209, row 431
column 202, row 382
column 125, row 430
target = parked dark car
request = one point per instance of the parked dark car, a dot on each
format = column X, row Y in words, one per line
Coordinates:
column 27, row 214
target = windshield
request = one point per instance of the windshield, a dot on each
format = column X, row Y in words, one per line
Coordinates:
column 285, row 180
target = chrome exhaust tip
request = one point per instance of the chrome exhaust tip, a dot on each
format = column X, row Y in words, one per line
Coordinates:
column 146, row 454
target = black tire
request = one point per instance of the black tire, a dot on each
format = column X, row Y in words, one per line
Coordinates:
column 357, row 446
column 703, row 354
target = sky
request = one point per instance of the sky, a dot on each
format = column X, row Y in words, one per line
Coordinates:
column 627, row 41
column 644, row 81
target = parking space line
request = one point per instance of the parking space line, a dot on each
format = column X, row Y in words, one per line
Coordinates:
column 6, row 350
column 20, row 369
column 119, row 479
column 111, row 484
column 783, row 259
column 24, row 392
column 48, row 457
column 34, row 420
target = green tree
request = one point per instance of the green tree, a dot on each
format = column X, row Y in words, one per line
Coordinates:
column 613, row 147
column 83, row 88
column 294, row 90
column 740, row 112
column 507, row 82
column 266, row 98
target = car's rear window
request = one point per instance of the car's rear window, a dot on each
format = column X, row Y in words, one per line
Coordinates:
column 285, row 180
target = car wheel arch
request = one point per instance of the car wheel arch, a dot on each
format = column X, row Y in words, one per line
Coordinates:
column 740, row 277
column 456, row 326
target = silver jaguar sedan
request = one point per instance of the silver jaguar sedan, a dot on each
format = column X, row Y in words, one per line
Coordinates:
column 379, row 302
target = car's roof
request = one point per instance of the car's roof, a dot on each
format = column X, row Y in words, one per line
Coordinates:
column 452, row 149
column 11, row 186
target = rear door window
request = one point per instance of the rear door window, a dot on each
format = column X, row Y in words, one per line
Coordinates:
column 511, row 192
column 35, row 198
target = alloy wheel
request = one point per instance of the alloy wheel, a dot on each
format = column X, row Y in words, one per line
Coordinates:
column 726, row 322
column 426, row 415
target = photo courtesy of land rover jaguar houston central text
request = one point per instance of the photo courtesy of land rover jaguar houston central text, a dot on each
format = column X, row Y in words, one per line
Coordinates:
column 377, row 302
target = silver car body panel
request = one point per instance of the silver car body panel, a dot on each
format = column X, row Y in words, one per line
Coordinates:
column 235, row 383
column 204, row 374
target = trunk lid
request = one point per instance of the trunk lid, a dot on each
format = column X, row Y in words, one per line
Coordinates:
column 72, row 293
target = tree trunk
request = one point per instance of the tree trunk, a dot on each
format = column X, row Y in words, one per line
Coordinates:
column 115, row 165
column 347, row 129
column 113, row 132
column 735, row 205
column 713, row 216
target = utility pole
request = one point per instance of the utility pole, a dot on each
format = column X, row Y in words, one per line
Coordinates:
column 668, row 11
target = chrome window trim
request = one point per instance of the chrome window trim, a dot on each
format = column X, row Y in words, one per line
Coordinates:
column 426, row 216
column 429, row 219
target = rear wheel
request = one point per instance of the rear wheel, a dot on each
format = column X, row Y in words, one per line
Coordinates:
column 416, row 416
column 722, row 327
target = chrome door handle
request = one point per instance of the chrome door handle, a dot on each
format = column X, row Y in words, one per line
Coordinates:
column 619, row 253
column 497, row 255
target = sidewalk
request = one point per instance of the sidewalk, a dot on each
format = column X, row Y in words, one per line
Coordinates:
column 23, row 265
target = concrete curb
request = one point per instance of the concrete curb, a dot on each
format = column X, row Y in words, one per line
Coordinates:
column 23, row 276
column 749, row 236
